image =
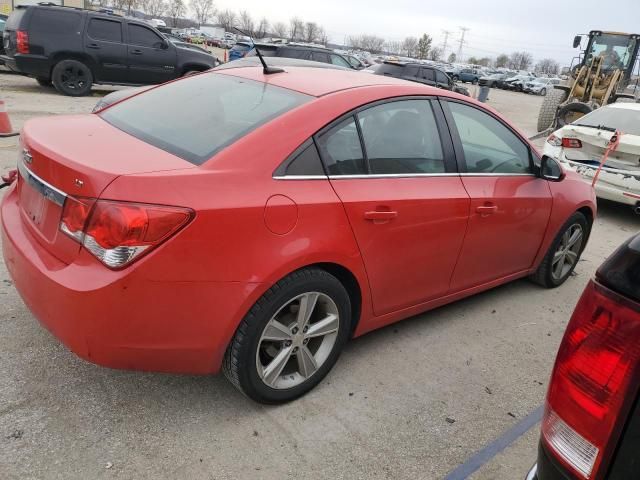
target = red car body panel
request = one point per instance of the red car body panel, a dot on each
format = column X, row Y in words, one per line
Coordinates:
column 177, row 308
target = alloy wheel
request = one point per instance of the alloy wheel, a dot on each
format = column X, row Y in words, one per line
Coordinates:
column 297, row 340
column 74, row 78
column 568, row 252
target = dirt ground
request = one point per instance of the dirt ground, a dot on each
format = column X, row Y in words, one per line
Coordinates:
column 411, row 401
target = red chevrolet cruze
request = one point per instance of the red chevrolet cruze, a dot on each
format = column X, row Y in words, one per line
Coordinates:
column 253, row 223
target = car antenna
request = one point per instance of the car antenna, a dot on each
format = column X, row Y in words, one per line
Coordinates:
column 266, row 69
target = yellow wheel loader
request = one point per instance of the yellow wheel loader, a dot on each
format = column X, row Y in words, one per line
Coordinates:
column 601, row 76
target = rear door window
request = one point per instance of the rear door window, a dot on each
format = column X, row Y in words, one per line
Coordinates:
column 197, row 117
column 322, row 57
column 428, row 74
column 107, row 30
column 295, row 53
column 411, row 71
column 341, row 149
column 402, row 138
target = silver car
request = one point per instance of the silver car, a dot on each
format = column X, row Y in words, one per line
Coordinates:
column 540, row 86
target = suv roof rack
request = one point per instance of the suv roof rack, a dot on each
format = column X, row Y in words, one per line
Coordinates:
column 51, row 4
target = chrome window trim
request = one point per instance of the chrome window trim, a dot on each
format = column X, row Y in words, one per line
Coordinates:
column 399, row 175
column 47, row 190
column 299, row 177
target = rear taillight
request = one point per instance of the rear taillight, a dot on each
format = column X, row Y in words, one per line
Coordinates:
column 590, row 382
column 118, row 232
column 22, row 41
column 571, row 143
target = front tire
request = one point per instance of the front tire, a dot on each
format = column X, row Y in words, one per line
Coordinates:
column 291, row 337
column 474, row 81
column 564, row 253
column 72, row 78
column 549, row 108
column 543, row 92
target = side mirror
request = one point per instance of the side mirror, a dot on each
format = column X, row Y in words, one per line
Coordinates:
column 162, row 44
column 551, row 170
column 577, row 40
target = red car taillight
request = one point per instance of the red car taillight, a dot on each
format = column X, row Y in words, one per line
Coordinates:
column 22, row 41
column 116, row 233
column 590, row 382
column 571, row 143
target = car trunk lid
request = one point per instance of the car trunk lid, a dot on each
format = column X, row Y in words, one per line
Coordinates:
column 77, row 157
column 595, row 141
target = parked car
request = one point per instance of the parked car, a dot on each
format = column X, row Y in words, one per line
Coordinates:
column 540, row 86
column 517, row 83
column 495, row 80
column 417, row 72
column 355, row 62
column 138, row 238
column 591, row 424
column 302, row 52
column 240, row 50
column 581, row 145
column 3, row 22
column 471, row 75
column 42, row 41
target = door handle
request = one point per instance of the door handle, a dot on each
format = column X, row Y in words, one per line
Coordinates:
column 485, row 210
column 136, row 52
column 380, row 216
column 95, row 46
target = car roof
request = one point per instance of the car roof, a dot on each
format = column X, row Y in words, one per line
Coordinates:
column 624, row 106
column 279, row 62
column 317, row 82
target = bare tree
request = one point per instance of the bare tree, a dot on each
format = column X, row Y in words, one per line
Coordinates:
column 323, row 38
column 393, row 46
column 227, row 18
column 203, row 9
column 409, row 46
column 296, row 29
column 484, row 61
column 246, row 23
column 520, row 60
column 502, row 60
column 280, row 29
column 155, row 8
column 262, row 29
column 436, row 54
column 176, row 10
column 310, row 32
column 127, row 5
column 370, row 43
column 548, row 66
column 452, row 58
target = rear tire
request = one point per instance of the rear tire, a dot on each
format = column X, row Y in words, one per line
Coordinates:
column 550, row 105
column 72, row 78
column 44, row 81
column 563, row 255
column 474, row 81
column 571, row 112
column 269, row 359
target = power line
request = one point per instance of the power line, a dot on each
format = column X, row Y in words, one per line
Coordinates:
column 446, row 38
column 463, row 31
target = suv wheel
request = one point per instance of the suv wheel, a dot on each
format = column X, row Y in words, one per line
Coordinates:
column 72, row 78
column 44, row 81
column 474, row 81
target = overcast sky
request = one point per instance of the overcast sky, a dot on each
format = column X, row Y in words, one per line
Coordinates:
column 543, row 27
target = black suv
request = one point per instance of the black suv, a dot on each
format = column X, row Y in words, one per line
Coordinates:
column 417, row 72
column 74, row 48
column 302, row 52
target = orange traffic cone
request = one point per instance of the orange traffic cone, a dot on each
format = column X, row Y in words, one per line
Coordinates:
column 5, row 124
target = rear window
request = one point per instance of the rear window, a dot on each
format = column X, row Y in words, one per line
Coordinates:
column 390, row 69
column 196, row 117
column 54, row 22
column 624, row 119
column 13, row 22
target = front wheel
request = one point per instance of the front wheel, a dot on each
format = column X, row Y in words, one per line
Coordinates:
column 72, row 78
column 563, row 254
column 455, row 78
column 543, row 92
column 290, row 338
column 474, row 81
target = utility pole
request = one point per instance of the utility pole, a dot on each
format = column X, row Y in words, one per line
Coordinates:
column 444, row 45
column 463, row 31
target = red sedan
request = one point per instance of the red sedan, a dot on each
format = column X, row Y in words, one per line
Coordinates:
column 254, row 223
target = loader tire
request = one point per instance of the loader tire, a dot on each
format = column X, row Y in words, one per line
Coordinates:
column 549, row 108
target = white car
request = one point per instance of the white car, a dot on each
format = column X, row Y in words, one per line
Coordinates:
column 581, row 145
column 540, row 86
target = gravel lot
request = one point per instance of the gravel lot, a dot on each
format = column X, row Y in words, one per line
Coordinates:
column 411, row 401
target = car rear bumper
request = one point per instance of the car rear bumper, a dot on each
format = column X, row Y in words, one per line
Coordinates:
column 122, row 319
column 32, row 65
column 615, row 185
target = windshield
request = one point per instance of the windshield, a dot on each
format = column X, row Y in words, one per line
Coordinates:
column 624, row 119
column 615, row 50
column 196, row 117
